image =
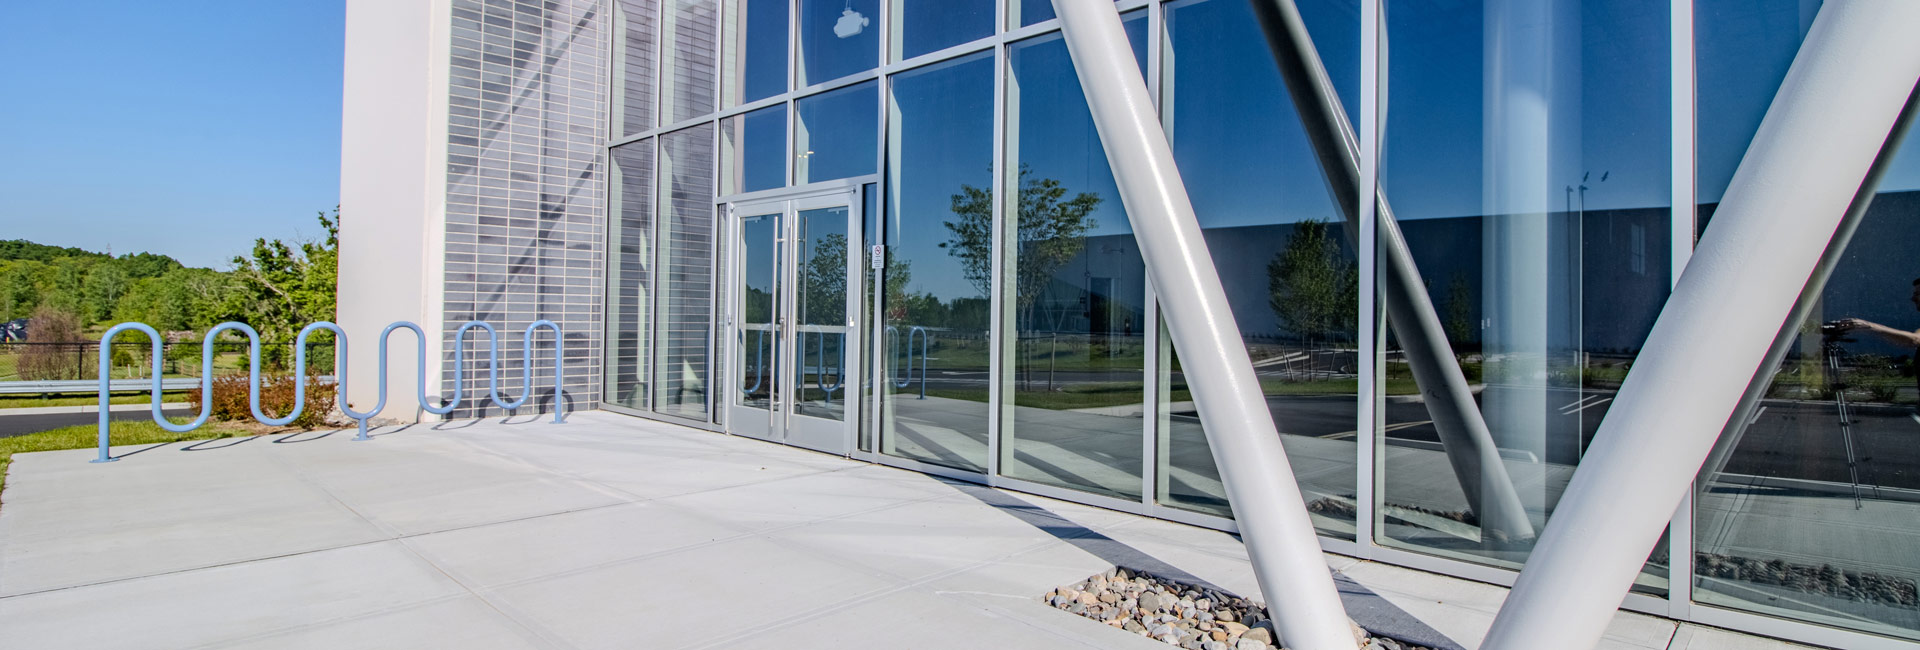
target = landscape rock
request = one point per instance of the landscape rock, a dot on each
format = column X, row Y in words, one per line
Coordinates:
column 1190, row 617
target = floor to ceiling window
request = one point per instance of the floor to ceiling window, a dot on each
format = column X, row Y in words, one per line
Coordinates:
column 1523, row 255
column 630, row 278
column 685, row 328
column 934, row 356
column 1281, row 244
column 1073, row 284
column 1806, row 508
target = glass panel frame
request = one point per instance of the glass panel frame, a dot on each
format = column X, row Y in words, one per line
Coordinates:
column 836, row 133
column 940, row 130
column 1068, row 267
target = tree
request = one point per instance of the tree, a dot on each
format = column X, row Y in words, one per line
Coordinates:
column 1312, row 286
column 284, row 287
column 1051, row 231
column 106, row 282
column 19, row 293
column 62, row 284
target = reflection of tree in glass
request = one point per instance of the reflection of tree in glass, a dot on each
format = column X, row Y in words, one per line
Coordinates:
column 1311, row 286
column 1459, row 310
column 823, row 292
column 1051, row 232
column 758, row 305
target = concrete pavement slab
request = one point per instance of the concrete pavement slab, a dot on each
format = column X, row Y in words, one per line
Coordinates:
column 226, row 603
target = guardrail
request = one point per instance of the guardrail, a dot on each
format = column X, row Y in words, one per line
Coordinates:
column 83, row 385
column 300, row 374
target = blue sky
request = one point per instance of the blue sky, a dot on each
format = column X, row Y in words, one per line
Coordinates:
column 186, row 129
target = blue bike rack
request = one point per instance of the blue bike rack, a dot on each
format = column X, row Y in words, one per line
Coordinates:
column 300, row 374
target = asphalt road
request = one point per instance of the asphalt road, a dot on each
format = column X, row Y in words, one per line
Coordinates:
column 14, row 425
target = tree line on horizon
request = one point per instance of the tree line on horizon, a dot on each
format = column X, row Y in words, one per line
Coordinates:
column 277, row 287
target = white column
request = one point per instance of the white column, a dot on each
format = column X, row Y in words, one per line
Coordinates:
column 1827, row 123
column 1259, row 480
column 393, row 171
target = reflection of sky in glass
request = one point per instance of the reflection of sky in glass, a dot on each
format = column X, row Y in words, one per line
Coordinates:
column 838, row 133
column 1056, row 136
column 1742, row 49
column 763, row 159
column 1033, row 11
column 825, row 54
column 763, row 36
column 1604, row 108
column 942, row 139
column 930, row 25
column 1240, row 146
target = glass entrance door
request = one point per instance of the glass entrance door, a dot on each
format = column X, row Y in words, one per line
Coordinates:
column 794, row 326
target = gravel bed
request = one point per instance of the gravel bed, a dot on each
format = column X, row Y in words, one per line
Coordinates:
column 1182, row 615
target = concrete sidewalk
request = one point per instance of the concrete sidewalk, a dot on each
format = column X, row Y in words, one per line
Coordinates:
column 607, row 532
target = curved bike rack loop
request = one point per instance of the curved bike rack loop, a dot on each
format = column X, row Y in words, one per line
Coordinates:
column 300, row 374
column 893, row 343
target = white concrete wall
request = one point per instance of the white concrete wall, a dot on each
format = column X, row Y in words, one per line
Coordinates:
column 392, row 192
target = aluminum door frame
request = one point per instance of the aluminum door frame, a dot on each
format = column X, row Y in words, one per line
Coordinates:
column 742, row 419
column 816, row 433
column 778, row 422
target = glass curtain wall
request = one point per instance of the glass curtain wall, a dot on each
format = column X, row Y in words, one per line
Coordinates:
column 1282, row 245
column 935, row 356
column 630, row 278
column 1074, row 304
column 1806, row 508
column 1523, row 255
column 1523, row 252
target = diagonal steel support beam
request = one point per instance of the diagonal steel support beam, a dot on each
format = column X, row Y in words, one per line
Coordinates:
column 1815, row 147
column 1743, row 415
column 1469, row 445
column 1259, row 480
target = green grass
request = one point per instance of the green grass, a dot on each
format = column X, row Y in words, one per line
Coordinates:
column 137, row 432
column 9, row 367
column 32, row 401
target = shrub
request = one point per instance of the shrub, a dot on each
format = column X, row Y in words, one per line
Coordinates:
column 54, row 350
column 230, row 399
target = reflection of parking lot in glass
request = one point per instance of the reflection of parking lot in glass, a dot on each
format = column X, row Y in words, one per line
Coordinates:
column 1312, row 393
column 1784, row 526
